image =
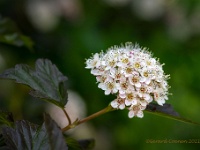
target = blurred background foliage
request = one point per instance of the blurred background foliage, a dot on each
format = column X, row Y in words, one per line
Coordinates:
column 68, row 31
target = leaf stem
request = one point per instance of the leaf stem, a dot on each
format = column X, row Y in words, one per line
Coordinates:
column 99, row 113
column 66, row 114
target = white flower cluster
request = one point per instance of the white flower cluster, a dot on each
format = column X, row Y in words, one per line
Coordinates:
column 132, row 74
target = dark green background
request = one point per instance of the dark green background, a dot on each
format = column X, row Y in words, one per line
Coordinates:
column 95, row 25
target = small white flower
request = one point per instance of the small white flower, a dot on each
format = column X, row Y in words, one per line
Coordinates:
column 111, row 63
column 133, row 75
column 109, row 87
column 92, row 63
column 146, row 77
column 130, row 99
column 123, row 87
column 135, row 80
column 123, row 61
column 118, row 103
column 136, row 111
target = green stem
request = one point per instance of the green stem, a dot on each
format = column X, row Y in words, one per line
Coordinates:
column 99, row 113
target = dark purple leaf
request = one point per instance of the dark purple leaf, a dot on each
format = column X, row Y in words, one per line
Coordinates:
column 46, row 81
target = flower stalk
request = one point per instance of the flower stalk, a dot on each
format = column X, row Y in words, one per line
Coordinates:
column 97, row 114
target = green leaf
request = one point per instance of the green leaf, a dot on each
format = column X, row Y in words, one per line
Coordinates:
column 10, row 34
column 29, row 136
column 6, row 118
column 167, row 111
column 46, row 81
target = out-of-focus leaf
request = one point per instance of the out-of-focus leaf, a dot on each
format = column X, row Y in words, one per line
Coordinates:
column 10, row 34
column 3, row 145
column 6, row 118
column 72, row 144
column 32, row 137
column 167, row 111
column 55, row 137
column 47, row 82
column 86, row 144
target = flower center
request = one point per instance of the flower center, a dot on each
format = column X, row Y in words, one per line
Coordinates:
column 94, row 63
column 156, row 95
column 120, row 100
column 125, row 60
column 137, row 65
column 112, row 63
column 103, row 79
column 118, row 75
column 148, row 63
column 129, row 70
column 124, row 85
column 142, row 89
column 110, row 85
column 146, row 74
column 130, row 96
column 134, row 80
